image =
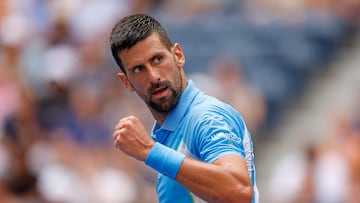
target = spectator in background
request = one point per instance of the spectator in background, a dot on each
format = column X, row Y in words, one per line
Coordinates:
column 9, row 89
column 326, row 171
column 87, row 126
column 352, row 150
column 238, row 92
column 21, row 131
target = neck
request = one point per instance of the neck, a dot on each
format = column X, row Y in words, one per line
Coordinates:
column 159, row 117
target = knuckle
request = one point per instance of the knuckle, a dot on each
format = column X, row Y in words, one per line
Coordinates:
column 132, row 118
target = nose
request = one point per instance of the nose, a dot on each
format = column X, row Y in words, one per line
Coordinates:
column 154, row 75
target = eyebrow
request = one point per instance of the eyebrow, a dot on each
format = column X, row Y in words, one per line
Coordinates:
column 151, row 59
column 155, row 56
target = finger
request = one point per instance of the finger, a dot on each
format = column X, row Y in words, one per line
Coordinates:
column 121, row 123
column 116, row 139
column 116, row 134
column 118, row 126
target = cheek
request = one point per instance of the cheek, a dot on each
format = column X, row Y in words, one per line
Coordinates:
column 170, row 66
column 141, row 86
column 137, row 84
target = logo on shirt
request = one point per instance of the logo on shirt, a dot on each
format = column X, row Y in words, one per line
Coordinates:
column 229, row 136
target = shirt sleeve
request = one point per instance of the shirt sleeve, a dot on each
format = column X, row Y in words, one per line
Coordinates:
column 220, row 135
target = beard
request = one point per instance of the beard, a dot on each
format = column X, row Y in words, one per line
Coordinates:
column 167, row 103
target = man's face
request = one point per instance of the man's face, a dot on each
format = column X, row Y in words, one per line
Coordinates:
column 154, row 72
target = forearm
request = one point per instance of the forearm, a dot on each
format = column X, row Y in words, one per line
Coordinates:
column 215, row 183
column 226, row 180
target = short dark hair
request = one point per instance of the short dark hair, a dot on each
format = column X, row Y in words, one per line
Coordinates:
column 131, row 29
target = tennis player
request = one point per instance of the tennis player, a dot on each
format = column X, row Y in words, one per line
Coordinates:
column 199, row 146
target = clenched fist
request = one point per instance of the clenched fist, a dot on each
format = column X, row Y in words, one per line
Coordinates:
column 131, row 137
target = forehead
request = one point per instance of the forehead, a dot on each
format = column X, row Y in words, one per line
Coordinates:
column 142, row 50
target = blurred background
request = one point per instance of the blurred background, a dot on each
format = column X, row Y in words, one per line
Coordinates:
column 291, row 68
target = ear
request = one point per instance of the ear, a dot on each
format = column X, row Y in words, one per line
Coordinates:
column 123, row 78
column 179, row 54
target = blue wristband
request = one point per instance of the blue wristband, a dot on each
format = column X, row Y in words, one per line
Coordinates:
column 164, row 160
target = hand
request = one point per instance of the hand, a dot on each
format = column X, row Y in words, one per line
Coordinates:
column 131, row 137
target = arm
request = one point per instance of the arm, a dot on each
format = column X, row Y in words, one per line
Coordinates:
column 225, row 180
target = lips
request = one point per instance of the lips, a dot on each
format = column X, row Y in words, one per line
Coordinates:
column 159, row 92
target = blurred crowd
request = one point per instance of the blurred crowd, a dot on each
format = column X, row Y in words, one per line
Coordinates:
column 60, row 98
column 328, row 170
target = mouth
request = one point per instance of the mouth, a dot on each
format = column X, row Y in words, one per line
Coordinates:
column 159, row 92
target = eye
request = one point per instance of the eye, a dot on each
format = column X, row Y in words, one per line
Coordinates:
column 137, row 69
column 157, row 59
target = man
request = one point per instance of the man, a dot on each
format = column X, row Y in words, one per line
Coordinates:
column 199, row 145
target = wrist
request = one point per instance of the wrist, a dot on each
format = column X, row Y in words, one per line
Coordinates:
column 164, row 160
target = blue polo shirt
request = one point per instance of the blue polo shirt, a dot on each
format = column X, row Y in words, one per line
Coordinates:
column 205, row 129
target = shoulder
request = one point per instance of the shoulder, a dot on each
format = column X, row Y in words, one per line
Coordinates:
column 209, row 111
column 205, row 105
